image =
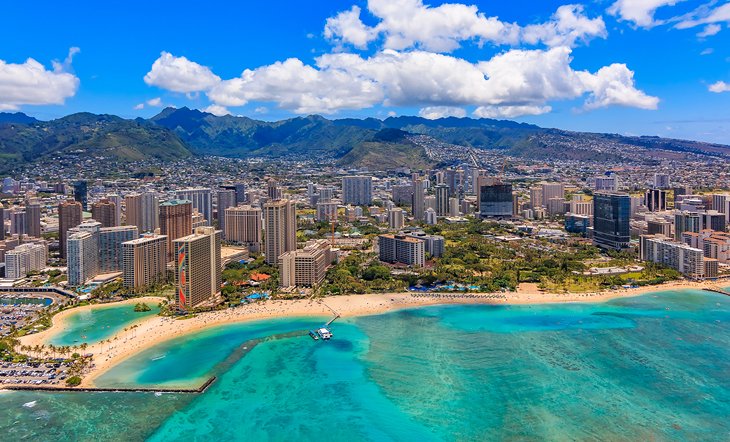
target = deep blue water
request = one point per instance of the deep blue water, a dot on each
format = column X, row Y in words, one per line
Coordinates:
column 655, row 367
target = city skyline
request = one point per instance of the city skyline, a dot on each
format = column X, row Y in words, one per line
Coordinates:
column 657, row 68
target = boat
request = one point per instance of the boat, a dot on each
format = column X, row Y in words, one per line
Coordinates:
column 324, row 333
column 313, row 334
column 157, row 358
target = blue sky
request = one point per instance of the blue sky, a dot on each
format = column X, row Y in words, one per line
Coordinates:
column 653, row 67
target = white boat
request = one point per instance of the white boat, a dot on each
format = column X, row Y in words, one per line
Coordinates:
column 324, row 333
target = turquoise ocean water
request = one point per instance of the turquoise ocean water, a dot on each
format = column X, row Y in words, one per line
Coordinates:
column 92, row 326
column 655, row 367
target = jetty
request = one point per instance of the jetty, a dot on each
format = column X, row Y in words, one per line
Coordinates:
column 200, row 389
column 716, row 289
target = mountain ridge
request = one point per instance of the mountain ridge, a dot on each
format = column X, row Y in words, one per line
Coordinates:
column 181, row 132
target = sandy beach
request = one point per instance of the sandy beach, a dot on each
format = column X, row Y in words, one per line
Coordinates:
column 156, row 329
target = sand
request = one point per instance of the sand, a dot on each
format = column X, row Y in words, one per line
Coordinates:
column 156, row 329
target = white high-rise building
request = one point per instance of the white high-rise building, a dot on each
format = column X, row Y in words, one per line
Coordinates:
column 243, row 226
column 202, row 200
column 25, row 258
column 280, row 227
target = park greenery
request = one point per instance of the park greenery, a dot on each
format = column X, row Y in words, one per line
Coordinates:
column 141, row 307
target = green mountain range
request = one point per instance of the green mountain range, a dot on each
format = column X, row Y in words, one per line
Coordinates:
column 372, row 143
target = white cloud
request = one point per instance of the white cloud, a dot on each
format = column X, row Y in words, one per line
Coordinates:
column 217, row 110
column 347, row 27
column 408, row 24
column 518, row 82
column 436, row 112
column 614, row 85
column 139, row 106
column 706, row 15
column 154, row 102
column 261, row 110
column 30, row 83
column 707, row 51
column 298, row 87
column 639, row 12
column 178, row 74
column 719, row 87
column 709, row 30
column 509, row 111
column 565, row 27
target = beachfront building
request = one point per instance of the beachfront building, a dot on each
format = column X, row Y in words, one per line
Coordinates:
column 176, row 221
column 280, row 226
column 145, row 261
column 611, row 216
column 402, row 249
column 197, row 267
column 685, row 259
column 305, row 267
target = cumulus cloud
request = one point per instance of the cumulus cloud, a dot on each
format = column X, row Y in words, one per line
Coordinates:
column 436, row 112
column 719, row 87
column 515, row 82
column 30, row 83
column 639, row 12
column 614, row 85
column 178, row 74
column 139, row 106
column 509, row 111
column 567, row 25
column 217, row 110
column 709, row 30
column 408, row 24
column 298, row 87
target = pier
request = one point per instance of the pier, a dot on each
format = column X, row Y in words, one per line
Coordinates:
column 716, row 289
column 200, row 389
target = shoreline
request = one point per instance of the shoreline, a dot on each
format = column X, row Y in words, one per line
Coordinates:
column 155, row 330
column 59, row 321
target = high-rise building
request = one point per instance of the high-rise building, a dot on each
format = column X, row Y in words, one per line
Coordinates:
column 2, row 222
column 243, row 226
column 202, row 200
column 611, row 215
column 110, row 246
column 659, row 227
column 226, row 199
column 402, row 194
column 713, row 220
column 454, row 207
column 117, row 200
column 550, row 191
column 430, row 217
column 197, row 267
column 280, row 226
column 176, row 221
column 69, row 216
column 402, row 249
column 434, row 244
column 655, row 200
column 25, row 258
column 144, row 261
column 326, row 212
column 326, row 194
column 679, row 256
column 105, row 212
column 306, row 267
column 17, row 222
column 272, row 190
column 607, row 183
column 662, row 181
column 81, row 194
column 33, row 219
column 441, row 192
column 83, row 257
column 418, row 203
column 396, row 220
column 495, row 200
column 535, row 197
column 142, row 210
column 685, row 221
column 357, row 190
